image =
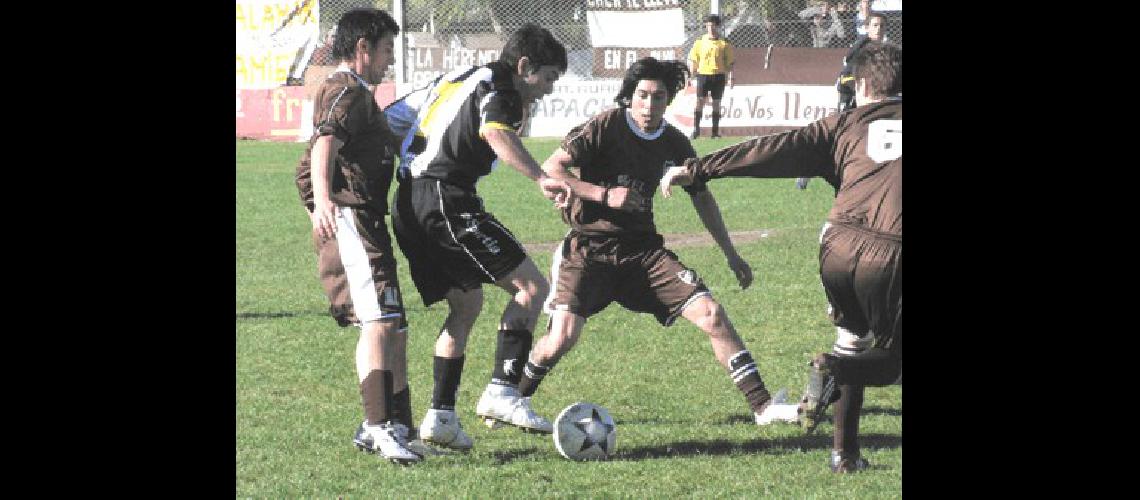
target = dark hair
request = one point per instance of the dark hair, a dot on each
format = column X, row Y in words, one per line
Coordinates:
column 369, row 24
column 535, row 43
column 880, row 63
column 874, row 13
column 713, row 18
column 670, row 73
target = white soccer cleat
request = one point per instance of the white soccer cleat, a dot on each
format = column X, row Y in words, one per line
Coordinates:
column 501, row 404
column 388, row 439
column 778, row 410
column 442, row 427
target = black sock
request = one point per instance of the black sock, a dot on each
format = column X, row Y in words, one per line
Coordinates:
column 696, row 121
column 531, row 377
column 447, row 373
column 376, row 394
column 511, row 352
column 747, row 379
column 716, row 122
column 846, row 417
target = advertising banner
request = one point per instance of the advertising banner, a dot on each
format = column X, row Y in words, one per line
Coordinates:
column 274, row 40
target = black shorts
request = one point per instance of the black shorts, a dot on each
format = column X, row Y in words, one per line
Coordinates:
column 450, row 242
column 711, row 84
column 588, row 273
column 862, row 276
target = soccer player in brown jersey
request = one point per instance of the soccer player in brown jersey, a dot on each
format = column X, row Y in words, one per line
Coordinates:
column 858, row 152
column 457, row 129
column 613, row 252
column 343, row 179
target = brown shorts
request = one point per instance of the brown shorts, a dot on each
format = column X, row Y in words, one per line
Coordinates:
column 642, row 275
column 358, row 269
column 862, row 276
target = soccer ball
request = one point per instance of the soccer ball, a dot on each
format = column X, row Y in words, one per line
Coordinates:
column 585, row 431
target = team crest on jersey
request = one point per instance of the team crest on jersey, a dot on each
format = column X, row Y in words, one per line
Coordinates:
column 689, row 277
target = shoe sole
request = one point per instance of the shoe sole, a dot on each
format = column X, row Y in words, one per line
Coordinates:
column 495, row 423
column 400, row 461
column 444, row 445
column 813, row 416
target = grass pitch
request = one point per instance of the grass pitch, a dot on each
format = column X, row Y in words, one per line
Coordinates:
column 683, row 428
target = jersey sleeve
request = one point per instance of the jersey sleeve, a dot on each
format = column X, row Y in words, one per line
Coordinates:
column 695, row 50
column 729, row 56
column 582, row 142
column 341, row 115
column 698, row 185
column 502, row 110
column 803, row 152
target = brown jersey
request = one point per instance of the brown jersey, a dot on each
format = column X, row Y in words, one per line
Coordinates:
column 344, row 108
column 858, row 152
column 610, row 150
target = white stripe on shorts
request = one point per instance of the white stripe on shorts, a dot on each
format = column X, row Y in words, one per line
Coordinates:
column 361, row 286
column 451, row 231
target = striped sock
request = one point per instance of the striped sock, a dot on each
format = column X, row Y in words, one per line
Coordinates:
column 747, row 379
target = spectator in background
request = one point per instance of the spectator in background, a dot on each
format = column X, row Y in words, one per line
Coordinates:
column 322, row 55
column 710, row 61
column 826, row 29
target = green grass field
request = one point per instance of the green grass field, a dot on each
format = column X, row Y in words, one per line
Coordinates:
column 684, row 430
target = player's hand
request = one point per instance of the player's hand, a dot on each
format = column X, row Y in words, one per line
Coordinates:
column 675, row 175
column 324, row 218
column 623, row 198
column 555, row 190
column 742, row 271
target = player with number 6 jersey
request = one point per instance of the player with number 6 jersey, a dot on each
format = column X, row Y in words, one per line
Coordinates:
column 858, row 152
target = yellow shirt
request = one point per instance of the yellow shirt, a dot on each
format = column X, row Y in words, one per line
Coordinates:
column 712, row 56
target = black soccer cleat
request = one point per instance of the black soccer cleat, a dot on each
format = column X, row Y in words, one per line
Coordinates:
column 696, row 133
column 847, row 463
column 819, row 393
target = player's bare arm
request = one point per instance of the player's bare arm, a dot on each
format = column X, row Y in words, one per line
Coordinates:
column 616, row 197
column 709, row 211
column 509, row 148
column 324, row 210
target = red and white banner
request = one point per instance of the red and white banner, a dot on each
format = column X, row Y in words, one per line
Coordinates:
column 758, row 106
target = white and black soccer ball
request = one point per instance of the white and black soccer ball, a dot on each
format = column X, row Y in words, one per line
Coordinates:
column 585, row 431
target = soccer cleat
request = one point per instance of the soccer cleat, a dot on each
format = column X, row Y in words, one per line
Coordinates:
column 442, row 427
column 501, row 404
column 715, row 135
column 819, row 393
column 802, row 182
column 778, row 410
column 389, row 439
column 847, row 463
column 696, row 133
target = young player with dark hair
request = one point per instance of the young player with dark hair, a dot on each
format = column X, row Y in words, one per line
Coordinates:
column 613, row 252
column 343, row 179
column 710, row 62
column 455, row 130
column 860, row 154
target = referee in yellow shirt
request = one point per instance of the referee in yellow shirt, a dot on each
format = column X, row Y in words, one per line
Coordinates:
column 709, row 60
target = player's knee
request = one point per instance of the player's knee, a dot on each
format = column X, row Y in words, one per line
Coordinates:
column 847, row 343
column 711, row 317
column 465, row 308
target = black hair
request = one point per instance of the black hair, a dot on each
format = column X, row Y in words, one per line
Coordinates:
column 536, row 44
column 880, row 63
column 713, row 18
column 671, row 73
column 369, row 24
